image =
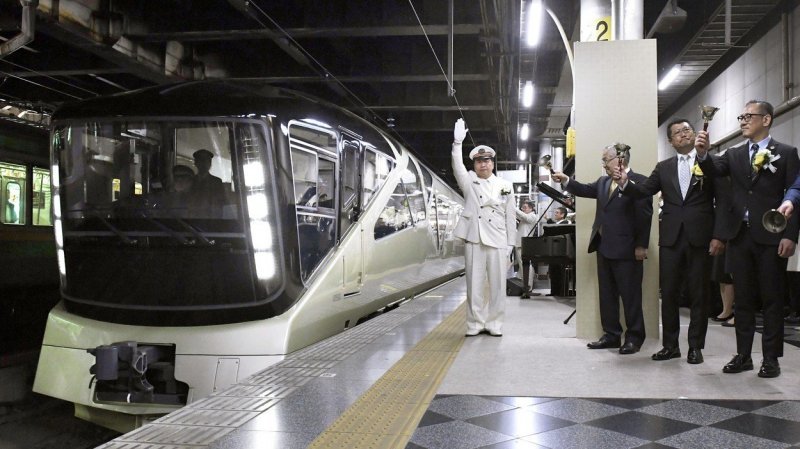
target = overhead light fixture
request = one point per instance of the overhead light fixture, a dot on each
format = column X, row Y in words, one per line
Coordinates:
column 533, row 22
column 523, row 155
column 524, row 132
column 671, row 75
column 527, row 94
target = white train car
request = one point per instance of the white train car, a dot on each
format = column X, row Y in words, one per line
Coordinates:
column 184, row 271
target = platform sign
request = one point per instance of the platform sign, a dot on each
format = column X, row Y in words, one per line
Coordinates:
column 601, row 30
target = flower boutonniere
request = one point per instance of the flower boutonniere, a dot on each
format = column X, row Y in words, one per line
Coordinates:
column 764, row 159
column 698, row 175
column 504, row 192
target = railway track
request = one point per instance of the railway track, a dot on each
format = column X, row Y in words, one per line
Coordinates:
column 40, row 422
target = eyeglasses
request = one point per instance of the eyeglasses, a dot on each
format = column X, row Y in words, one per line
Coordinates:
column 604, row 162
column 685, row 130
column 747, row 117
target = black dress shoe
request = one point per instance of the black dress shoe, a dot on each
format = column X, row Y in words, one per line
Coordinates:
column 738, row 364
column 629, row 348
column 667, row 353
column 719, row 320
column 695, row 356
column 769, row 368
column 604, row 342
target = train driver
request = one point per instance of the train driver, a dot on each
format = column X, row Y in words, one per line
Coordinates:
column 207, row 191
column 488, row 225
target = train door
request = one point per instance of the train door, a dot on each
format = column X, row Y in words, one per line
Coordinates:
column 351, row 163
column 13, row 193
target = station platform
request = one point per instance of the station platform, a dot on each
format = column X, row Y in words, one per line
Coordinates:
column 409, row 378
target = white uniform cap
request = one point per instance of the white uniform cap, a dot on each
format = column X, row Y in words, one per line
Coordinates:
column 481, row 151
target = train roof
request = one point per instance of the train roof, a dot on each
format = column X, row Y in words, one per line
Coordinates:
column 213, row 98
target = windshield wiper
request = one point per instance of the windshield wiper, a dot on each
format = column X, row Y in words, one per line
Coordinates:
column 180, row 238
column 195, row 232
column 97, row 213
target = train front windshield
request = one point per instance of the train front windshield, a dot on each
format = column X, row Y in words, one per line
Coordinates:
column 172, row 217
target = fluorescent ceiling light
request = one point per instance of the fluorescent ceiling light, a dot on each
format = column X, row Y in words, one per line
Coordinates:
column 524, row 132
column 533, row 22
column 527, row 94
column 523, row 154
column 667, row 80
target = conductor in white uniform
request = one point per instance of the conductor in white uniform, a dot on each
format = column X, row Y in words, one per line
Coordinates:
column 488, row 227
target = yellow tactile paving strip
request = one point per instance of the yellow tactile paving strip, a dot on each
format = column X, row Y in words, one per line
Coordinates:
column 388, row 413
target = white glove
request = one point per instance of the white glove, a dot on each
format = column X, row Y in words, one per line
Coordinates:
column 460, row 131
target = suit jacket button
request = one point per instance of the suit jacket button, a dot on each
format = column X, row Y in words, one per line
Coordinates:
column 479, row 216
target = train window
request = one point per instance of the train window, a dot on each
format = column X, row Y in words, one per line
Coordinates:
column 129, row 170
column 349, row 173
column 313, row 152
column 13, row 178
column 376, row 169
column 416, row 199
column 396, row 215
column 40, row 201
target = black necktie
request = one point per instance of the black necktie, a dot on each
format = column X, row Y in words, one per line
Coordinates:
column 754, row 149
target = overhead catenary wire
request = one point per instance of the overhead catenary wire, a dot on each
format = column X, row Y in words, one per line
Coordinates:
column 324, row 73
column 449, row 82
column 27, row 69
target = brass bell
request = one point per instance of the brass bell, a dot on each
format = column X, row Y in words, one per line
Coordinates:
column 708, row 114
column 773, row 221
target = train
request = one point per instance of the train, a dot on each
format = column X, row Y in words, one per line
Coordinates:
column 29, row 280
column 205, row 230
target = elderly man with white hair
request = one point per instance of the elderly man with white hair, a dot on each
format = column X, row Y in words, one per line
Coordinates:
column 488, row 226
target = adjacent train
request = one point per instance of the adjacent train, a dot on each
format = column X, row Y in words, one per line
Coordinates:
column 29, row 278
column 204, row 230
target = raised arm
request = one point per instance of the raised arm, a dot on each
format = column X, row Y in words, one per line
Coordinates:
column 574, row 187
column 644, row 189
column 459, row 170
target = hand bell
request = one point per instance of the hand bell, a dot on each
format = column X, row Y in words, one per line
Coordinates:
column 708, row 114
column 773, row 221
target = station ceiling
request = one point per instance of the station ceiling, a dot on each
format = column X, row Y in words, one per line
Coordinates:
column 386, row 60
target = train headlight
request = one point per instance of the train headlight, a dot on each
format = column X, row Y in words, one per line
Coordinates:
column 254, row 174
column 261, row 235
column 265, row 265
column 59, row 233
column 54, row 176
column 62, row 265
column 257, row 206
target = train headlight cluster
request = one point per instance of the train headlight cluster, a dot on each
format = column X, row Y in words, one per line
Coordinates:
column 261, row 234
column 58, row 227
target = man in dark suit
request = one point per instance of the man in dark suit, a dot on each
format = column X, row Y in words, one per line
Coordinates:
column 620, row 235
column 687, row 235
column 760, row 170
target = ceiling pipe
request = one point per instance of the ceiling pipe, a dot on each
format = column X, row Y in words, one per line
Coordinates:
column 25, row 35
column 627, row 19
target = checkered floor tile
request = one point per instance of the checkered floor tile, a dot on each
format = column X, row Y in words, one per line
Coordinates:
column 493, row 422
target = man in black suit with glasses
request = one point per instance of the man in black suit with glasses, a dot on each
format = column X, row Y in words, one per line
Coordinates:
column 688, row 234
column 760, row 170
